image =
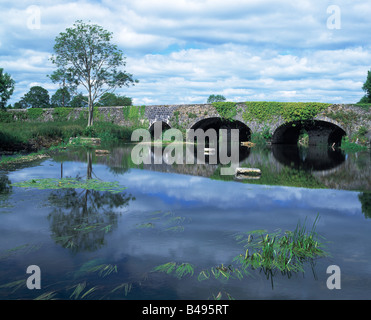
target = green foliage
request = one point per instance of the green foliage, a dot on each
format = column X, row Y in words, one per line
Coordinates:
column 61, row 98
column 34, row 113
column 227, row 110
column 15, row 134
column 364, row 100
column 181, row 270
column 108, row 131
column 350, row 146
column 85, row 56
column 79, row 101
column 61, row 113
column 6, row 116
column 365, row 200
column 37, row 97
column 367, row 88
column 290, row 111
column 192, row 115
column 133, row 113
column 276, row 251
column 6, row 87
column 110, row 99
column 268, row 252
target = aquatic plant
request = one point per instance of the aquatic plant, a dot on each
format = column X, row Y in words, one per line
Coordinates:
column 72, row 183
column 181, row 270
column 276, row 251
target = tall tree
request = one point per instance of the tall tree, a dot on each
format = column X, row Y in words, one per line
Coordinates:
column 37, row 97
column 6, row 87
column 111, row 100
column 61, row 98
column 79, row 101
column 64, row 94
column 367, row 88
column 215, row 98
column 85, row 56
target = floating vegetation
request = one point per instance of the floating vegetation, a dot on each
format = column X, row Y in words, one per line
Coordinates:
column 223, row 273
column 181, row 270
column 46, row 296
column 166, row 221
column 268, row 252
column 24, row 248
column 95, row 265
column 284, row 252
column 126, row 286
column 14, row 285
column 79, row 288
column 104, row 269
column 220, row 295
column 72, row 183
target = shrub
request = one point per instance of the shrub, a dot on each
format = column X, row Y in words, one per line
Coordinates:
column 290, row 111
column 226, row 110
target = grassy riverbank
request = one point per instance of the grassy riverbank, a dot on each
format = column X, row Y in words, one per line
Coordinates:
column 34, row 136
column 29, row 141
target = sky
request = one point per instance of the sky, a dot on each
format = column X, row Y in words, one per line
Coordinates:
column 182, row 51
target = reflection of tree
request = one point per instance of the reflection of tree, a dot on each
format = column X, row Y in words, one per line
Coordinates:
column 365, row 199
column 5, row 189
column 80, row 219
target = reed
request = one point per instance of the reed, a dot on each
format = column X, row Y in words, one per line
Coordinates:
column 285, row 252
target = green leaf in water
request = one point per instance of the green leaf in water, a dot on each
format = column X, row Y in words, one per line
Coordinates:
column 46, row 296
column 78, row 289
column 184, row 269
column 14, row 285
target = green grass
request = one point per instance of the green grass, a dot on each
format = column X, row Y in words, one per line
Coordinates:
column 180, row 270
column 349, row 146
column 18, row 135
column 285, row 252
column 268, row 252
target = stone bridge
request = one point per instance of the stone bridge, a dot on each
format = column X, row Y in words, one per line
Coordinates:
column 327, row 127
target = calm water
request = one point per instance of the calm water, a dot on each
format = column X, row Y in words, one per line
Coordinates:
column 108, row 244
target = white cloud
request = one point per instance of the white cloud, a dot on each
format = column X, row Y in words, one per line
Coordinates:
column 181, row 51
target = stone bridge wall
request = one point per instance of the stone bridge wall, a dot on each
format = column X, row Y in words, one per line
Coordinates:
column 348, row 117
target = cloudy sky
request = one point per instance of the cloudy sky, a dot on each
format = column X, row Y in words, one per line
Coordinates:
column 182, row 51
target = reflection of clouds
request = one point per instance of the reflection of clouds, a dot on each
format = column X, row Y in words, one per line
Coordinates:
column 213, row 211
column 201, row 191
column 225, row 195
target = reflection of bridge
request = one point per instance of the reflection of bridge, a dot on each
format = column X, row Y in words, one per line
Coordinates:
column 331, row 168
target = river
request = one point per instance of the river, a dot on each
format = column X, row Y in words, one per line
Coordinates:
column 93, row 244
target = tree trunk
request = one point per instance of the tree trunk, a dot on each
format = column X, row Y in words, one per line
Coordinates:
column 90, row 111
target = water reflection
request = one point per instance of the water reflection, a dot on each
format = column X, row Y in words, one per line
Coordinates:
column 365, row 199
column 180, row 218
column 315, row 158
column 5, row 190
column 197, row 154
column 80, row 219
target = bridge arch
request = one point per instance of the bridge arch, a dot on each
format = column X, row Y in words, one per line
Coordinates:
column 320, row 132
column 158, row 124
column 219, row 123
